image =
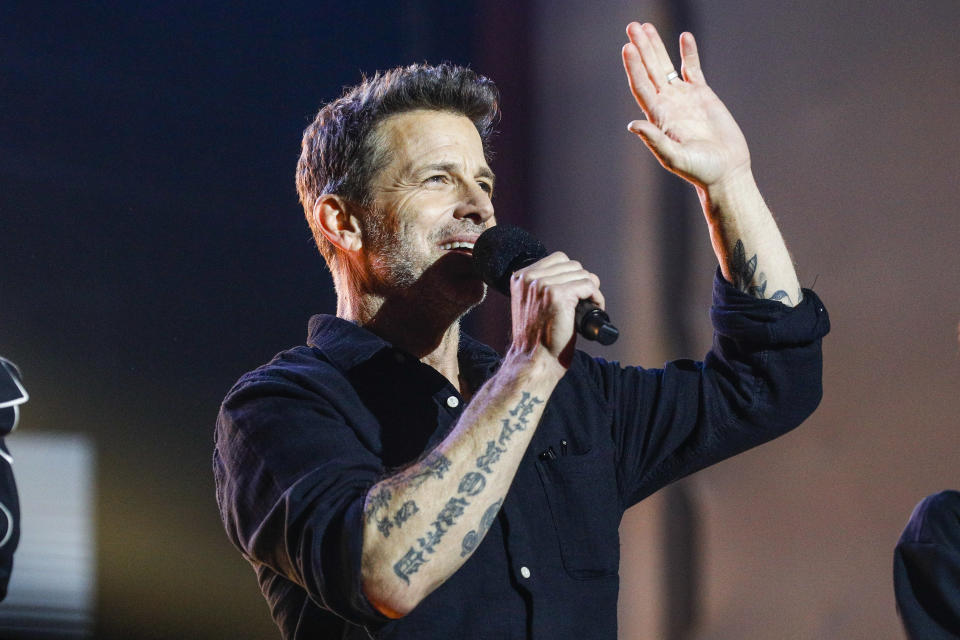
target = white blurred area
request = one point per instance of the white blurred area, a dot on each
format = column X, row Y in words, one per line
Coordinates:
column 53, row 584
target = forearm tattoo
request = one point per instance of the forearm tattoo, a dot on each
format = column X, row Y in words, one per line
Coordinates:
column 433, row 465
column 473, row 538
column 471, row 484
column 413, row 559
column 745, row 274
column 406, row 510
column 516, row 422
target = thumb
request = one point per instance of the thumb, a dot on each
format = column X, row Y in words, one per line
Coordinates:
column 662, row 146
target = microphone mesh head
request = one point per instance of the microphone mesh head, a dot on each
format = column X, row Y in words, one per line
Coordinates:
column 503, row 249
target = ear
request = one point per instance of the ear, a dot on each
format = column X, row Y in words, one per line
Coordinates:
column 332, row 215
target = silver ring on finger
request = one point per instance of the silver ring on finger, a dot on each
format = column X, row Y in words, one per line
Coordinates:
column 673, row 75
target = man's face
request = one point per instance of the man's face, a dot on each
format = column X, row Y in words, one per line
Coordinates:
column 430, row 202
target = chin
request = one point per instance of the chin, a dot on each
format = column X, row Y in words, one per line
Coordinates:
column 451, row 282
column 470, row 291
column 467, row 306
column 481, row 292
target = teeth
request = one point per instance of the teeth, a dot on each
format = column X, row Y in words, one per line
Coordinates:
column 457, row 245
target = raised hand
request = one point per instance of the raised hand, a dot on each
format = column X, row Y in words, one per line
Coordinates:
column 687, row 128
column 693, row 135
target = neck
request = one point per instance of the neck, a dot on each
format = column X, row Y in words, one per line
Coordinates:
column 410, row 322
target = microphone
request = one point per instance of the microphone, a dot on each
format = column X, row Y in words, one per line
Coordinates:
column 503, row 249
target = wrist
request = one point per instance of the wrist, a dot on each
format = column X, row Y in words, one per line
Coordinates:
column 732, row 185
column 537, row 363
column 736, row 196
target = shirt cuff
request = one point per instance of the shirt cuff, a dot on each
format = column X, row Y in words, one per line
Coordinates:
column 766, row 323
column 369, row 616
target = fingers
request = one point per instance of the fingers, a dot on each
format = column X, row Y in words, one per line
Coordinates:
column 648, row 65
column 557, row 257
column 660, row 51
column 651, row 64
column 556, row 268
column 660, row 144
column 690, row 59
column 544, row 299
column 643, row 90
column 572, row 288
column 656, row 60
column 556, row 272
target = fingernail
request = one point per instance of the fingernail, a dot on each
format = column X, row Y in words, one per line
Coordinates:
column 634, row 126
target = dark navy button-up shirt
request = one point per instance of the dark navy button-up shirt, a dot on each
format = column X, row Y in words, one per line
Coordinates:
column 300, row 440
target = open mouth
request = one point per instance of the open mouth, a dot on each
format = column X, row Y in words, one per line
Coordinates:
column 459, row 245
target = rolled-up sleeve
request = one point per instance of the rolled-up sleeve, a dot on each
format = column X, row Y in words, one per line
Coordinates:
column 291, row 474
column 761, row 378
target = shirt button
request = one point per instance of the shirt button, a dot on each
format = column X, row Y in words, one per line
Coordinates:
column 453, row 402
column 525, row 572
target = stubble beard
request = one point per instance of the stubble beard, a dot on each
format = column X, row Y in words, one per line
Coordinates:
column 395, row 265
column 393, row 262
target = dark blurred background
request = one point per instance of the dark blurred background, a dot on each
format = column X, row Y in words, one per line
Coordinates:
column 153, row 249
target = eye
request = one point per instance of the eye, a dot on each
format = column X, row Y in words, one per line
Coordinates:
column 487, row 187
column 439, row 178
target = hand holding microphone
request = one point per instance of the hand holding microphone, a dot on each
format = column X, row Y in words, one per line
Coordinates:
column 504, row 250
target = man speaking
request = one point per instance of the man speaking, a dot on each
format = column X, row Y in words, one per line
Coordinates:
column 395, row 478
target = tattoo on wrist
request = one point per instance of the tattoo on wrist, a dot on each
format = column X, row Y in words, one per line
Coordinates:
column 745, row 274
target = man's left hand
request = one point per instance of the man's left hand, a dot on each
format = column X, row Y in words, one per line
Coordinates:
column 687, row 128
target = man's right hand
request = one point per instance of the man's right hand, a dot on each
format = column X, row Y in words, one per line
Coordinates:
column 544, row 298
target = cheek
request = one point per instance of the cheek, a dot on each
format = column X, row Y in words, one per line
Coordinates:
column 424, row 216
column 412, row 239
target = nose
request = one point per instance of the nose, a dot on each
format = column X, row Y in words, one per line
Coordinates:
column 475, row 205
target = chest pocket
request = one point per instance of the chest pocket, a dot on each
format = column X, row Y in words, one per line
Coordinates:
column 581, row 491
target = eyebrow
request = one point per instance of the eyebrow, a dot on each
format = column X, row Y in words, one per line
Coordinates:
column 449, row 167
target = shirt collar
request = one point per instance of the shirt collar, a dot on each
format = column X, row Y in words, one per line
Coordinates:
column 477, row 361
column 347, row 345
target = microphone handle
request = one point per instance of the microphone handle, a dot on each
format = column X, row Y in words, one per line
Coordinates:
column 593, row 323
